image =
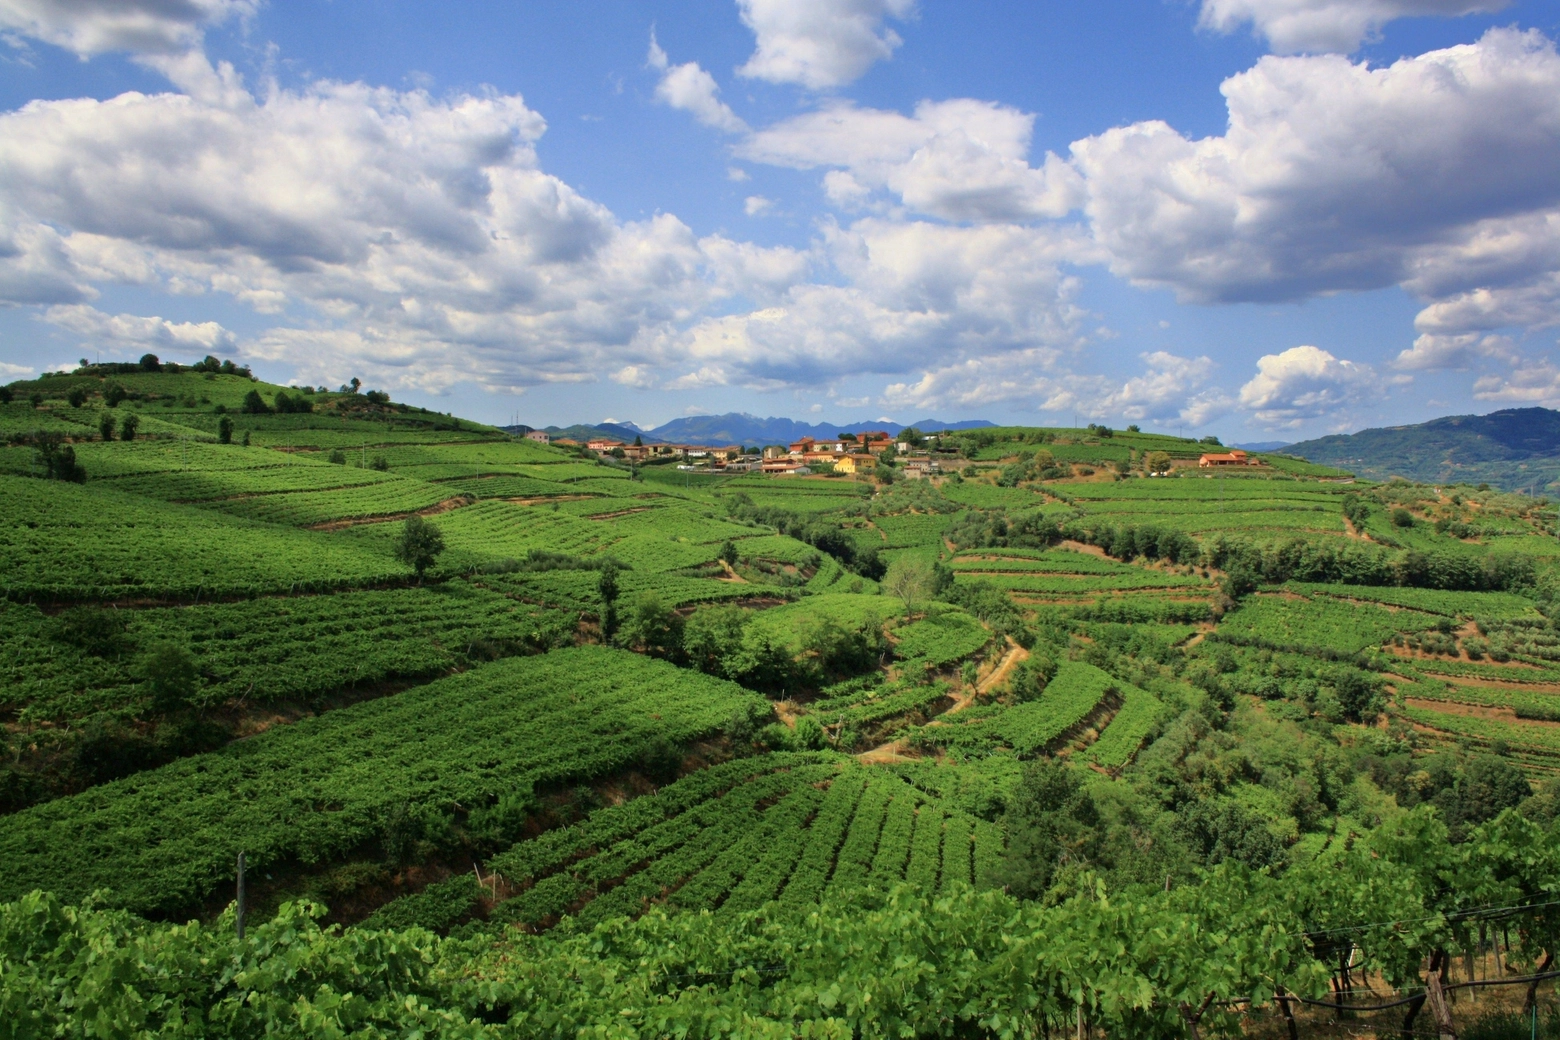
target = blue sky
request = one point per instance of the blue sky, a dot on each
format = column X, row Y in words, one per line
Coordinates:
column 1265, row 219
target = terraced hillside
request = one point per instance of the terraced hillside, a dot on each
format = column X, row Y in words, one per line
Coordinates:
column 429, row 676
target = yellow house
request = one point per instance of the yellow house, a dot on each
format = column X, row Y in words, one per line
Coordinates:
column 853, row 463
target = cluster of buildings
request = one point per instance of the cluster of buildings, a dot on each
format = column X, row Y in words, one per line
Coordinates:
column 847, row 454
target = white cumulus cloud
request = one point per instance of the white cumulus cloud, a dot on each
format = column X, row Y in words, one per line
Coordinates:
column 135, row 332
column 962, row 160
column 690, row 88
column 88, row 27
column 410, row 238
column 819, row 44
column 1171, row 388
column 1305, row 384
column 1291, row 26
column 1331, row 175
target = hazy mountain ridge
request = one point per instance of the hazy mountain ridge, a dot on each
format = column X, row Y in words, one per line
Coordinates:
column 1517, row 449
column 742, row 428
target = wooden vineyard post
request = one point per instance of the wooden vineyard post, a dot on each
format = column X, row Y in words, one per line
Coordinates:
column 1282, row 1000
column 239, row 913
column 1435, row 996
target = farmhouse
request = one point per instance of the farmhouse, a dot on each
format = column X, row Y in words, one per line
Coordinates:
column 539, row 436
column 786, row 467
column 1233, row 458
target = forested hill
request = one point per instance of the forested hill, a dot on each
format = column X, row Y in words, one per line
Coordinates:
column 1516, row 449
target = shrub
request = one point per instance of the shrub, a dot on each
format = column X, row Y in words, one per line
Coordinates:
column 77, row 397
column 106, row 426
column 337, row 456
column 380, row 463
column 225, row 430
column 128, row 426
column 808, row 734
column 171, row 676
column 93, row 630
column 113, row 393
column 254, row 404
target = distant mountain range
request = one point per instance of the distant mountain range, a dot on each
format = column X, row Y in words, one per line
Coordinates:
column 1261, row 445
column 1517, row 449
column 741, row 428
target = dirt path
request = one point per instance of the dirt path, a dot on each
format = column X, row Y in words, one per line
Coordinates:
column 886, row 754
column 732, row 575
column 443, row 507
column 1086, row 549
column 1015, row 655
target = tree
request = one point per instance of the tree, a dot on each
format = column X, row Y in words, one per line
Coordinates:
column 652, row 626
column 337, row 456
column 128, row 425
column 254, row 404
column 712, row 638
column 728, row 552
column 58, row 459
column 106, row 426
column 113, row 393
column 607, row 588
column 77, row 397
column 1221, row 829
column 225, row 430
column 1157, row 462
column 419, row 545
column 1134, row 428
column 639, row 442
column 379, row 464
column 7, row 395
column 35, row 399
column 149, row 363
column 172, row 677
column 911, row 578
column 1050, row 822
column 1357, row 696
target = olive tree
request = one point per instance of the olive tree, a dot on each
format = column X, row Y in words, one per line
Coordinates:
column 912, row 579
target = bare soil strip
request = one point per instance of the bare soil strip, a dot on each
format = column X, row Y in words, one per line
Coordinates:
column 443, row 507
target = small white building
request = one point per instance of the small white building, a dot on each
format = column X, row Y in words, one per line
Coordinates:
column 539, row 436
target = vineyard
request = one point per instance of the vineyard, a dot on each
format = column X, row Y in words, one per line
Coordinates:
column 320, row 787
column 520, row 742
column 735, row 837
column 269, row 649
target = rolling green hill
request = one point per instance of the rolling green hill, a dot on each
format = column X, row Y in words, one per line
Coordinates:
column 1516, row 449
